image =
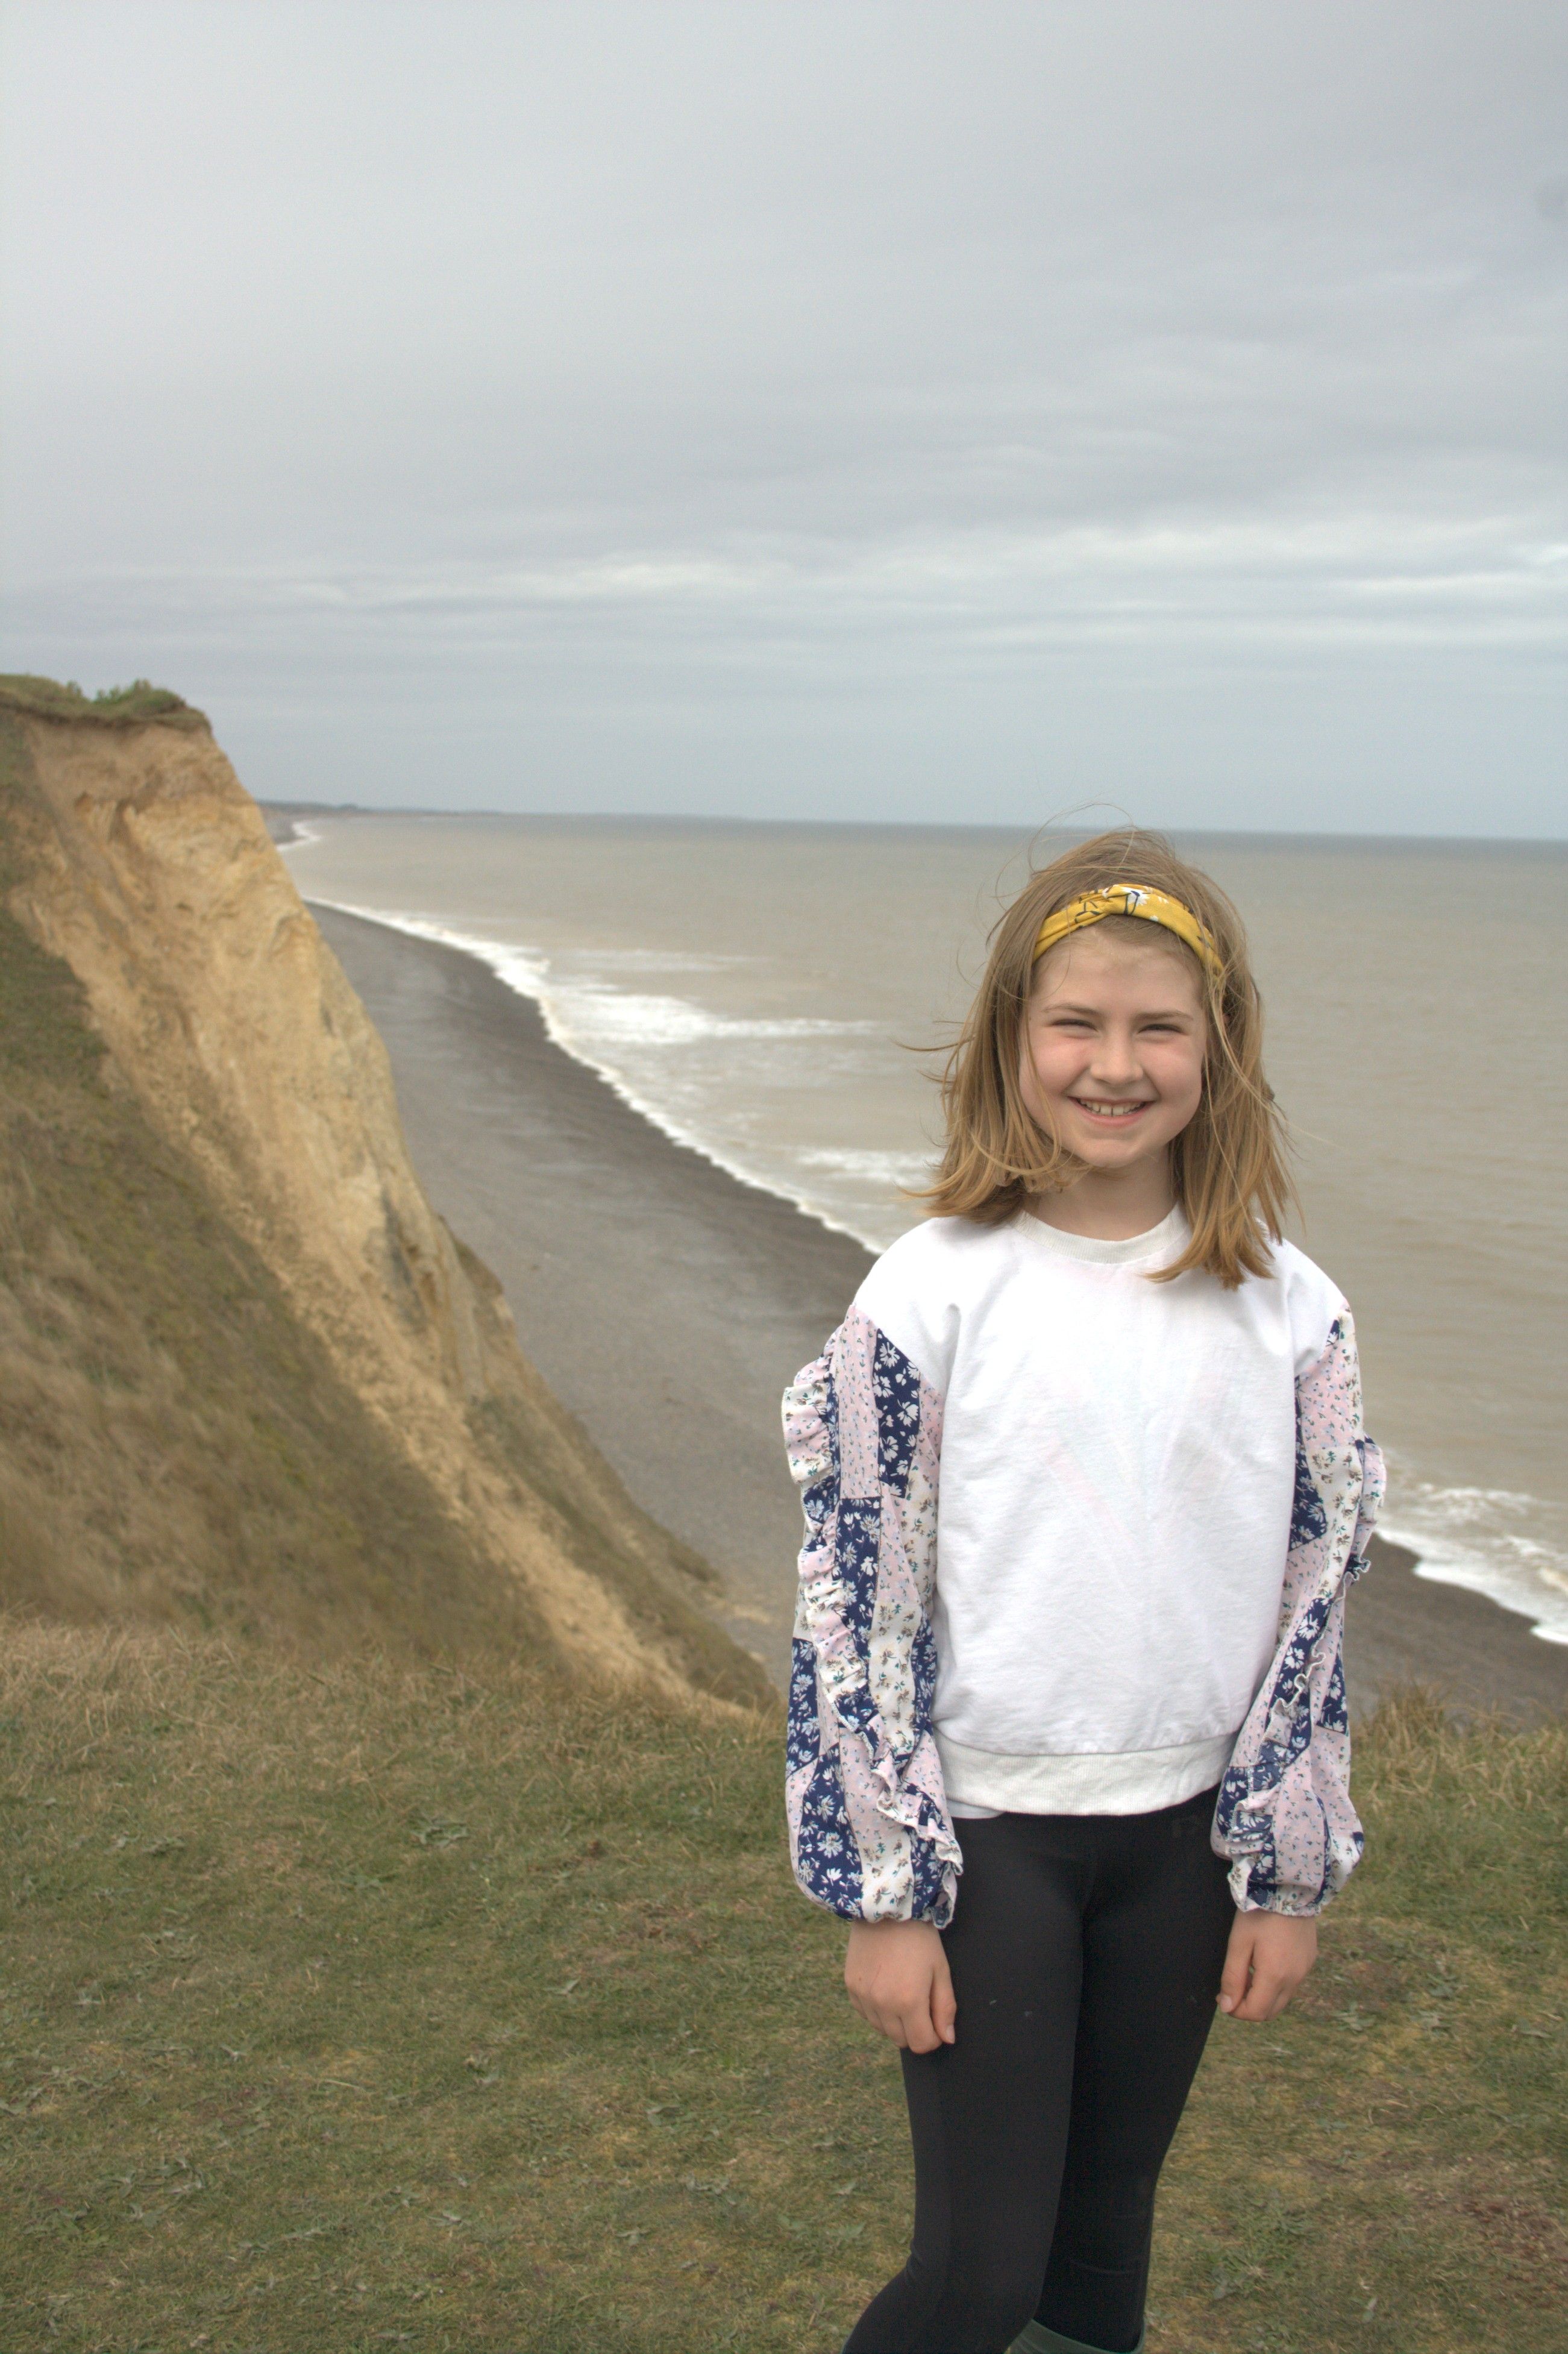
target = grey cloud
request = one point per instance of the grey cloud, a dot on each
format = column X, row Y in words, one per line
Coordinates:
column 800, row 408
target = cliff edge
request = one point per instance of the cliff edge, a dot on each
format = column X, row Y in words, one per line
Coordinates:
column 133, row 857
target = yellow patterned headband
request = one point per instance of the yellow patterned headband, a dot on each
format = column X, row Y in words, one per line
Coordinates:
column 1130, row 899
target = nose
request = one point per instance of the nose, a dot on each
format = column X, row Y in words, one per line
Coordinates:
column 1117, row 1061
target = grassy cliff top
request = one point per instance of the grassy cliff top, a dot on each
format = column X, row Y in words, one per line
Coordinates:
column 111, row 706
column 360, row 2004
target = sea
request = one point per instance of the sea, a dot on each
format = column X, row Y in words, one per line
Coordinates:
column 780, row 997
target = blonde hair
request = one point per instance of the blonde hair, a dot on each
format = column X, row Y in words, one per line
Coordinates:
column 1229, row 1163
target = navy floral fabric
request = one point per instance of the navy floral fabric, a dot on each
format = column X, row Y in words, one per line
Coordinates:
column 869, row 1832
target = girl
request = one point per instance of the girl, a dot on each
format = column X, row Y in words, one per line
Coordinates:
column 1102, row 1680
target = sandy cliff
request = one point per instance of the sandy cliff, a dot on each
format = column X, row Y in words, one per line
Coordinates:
column 135, row 854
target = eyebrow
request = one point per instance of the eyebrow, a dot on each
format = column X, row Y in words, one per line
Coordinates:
column 1153, row 1014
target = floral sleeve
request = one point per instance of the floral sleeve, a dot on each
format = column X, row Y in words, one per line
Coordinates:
column 1284, row 1817
column 870, row 1835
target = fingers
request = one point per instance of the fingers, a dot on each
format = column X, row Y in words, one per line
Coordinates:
column 897, row 1978
column 886, row 2019
column 1268, row 1957
column 898, row 2029
column 943, row 2004
column 909, row 2024
column 1263, row 1997
column 1236, row 1975
column 919, row 2033
column 877, row 1997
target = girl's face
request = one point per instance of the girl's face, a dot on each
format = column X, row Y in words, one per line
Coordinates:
column 1113, row 1045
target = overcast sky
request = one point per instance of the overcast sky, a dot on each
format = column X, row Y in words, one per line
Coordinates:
column 951, row 409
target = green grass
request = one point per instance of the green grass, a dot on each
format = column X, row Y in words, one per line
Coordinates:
column 372, row 2006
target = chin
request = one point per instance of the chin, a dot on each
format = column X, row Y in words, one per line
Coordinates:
column 1103, row 1143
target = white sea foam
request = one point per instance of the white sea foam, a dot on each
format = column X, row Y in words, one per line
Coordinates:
column 898, row 1171
column 1511, row 1547
column 594, row 1009
column 665, row 961
column 589, row 1020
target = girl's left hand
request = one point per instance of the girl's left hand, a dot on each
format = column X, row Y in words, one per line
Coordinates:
column 1268, row 1957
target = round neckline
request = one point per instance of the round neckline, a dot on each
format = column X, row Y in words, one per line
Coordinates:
column 1163, row 1241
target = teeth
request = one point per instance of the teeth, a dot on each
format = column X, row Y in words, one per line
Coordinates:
column 1109, row 1110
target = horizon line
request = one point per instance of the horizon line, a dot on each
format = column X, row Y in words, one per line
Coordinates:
column 291, row 807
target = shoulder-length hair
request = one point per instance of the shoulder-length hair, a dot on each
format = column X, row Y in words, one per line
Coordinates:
column 1229, row 1163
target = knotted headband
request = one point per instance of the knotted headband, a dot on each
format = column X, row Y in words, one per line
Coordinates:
column 1131, row 899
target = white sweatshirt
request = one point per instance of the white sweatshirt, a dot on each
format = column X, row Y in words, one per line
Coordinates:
column 1118, row 1464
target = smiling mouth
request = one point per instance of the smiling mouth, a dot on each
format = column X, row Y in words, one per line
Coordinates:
column 1107, row 1110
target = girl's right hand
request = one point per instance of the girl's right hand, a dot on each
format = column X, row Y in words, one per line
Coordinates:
column 898, row 1980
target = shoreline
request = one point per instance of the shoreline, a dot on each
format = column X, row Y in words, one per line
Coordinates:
column 510, row 965
column 511, row 968
column 666, row 1303
column 668, row 1299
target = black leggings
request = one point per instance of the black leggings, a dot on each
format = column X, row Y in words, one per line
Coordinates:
column 1085, row 1954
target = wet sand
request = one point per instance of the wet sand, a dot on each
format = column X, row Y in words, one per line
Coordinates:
column 667, row 1304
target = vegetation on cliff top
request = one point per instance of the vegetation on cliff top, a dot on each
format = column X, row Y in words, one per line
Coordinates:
column 372, row 2006
column 111, row 706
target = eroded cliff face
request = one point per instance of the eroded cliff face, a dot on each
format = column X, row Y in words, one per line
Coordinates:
column 137, row 857
column 159, row 885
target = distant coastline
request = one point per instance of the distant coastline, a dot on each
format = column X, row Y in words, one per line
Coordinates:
column 1554, row 846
